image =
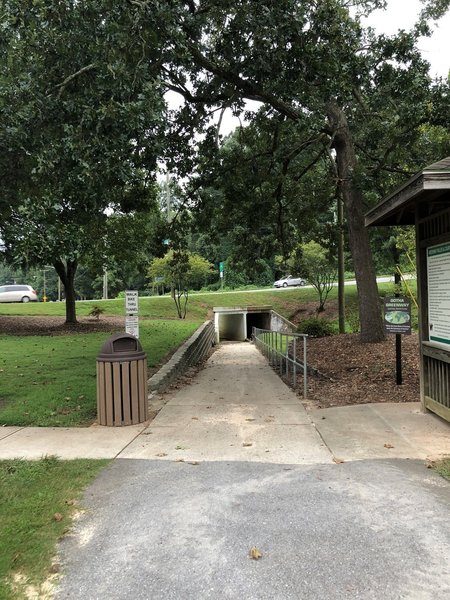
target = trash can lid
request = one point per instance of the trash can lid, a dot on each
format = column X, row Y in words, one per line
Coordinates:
column 120, row 347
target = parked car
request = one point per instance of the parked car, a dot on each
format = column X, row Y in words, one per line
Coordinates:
column 288, row 281
column 17, row 293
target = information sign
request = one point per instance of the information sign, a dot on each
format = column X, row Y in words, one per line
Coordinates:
column 132, row 326
column 438, row 272
column 131, row 302
column 397, row 314
column 221, row 267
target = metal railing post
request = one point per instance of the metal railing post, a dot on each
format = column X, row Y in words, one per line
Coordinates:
column 305, row 369
column 294, row 366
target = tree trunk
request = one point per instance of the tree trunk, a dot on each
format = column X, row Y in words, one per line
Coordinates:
column 371, row 324
column 66, row 273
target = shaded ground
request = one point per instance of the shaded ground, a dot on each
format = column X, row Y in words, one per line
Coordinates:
column 356, row 373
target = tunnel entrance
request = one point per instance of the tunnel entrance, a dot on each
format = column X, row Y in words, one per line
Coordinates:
column 236, row 323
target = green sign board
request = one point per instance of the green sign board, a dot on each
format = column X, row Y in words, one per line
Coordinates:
column 438, row 280
column 221, row 267
column 397, row 314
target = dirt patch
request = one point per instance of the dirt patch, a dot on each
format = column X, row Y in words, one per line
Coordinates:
column 56, row 325
column 357, row 373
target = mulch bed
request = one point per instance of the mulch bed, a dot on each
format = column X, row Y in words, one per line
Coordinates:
column 357, row 373
column 57, row 326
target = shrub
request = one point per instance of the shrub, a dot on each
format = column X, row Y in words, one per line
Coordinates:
column 315, row 328
column 96, row 311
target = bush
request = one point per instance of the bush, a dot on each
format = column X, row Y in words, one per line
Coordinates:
column 96, row 311
column 315, row 328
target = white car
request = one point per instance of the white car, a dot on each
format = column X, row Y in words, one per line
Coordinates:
column 17, row 293
column 289, row 281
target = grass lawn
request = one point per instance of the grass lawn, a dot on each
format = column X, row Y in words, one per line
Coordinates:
column 286, row 302
column 51, row 381
column 37, row 501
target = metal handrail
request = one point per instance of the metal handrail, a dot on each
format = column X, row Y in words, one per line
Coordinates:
column 275, row 345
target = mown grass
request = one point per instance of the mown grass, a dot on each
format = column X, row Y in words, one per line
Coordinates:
column 51, row 381
column 162, row 307
column 37, row 501
column 286, row 302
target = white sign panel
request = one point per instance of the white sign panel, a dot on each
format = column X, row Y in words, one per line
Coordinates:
column 131, row 302
column 438, row 263
column 132, row 326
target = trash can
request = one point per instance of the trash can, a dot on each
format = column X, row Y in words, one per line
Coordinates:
column 122, row 396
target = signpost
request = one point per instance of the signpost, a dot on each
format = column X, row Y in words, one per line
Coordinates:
column 221, row 270
column 131, row 312
column 397, row 319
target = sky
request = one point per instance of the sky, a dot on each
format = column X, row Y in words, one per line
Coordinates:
column 401, row 14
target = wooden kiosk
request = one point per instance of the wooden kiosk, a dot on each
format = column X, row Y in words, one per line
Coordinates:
column 424, row 201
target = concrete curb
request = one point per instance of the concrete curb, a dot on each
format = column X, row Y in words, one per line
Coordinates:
column 190, row 353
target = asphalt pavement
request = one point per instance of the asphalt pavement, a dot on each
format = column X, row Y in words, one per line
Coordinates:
column 233, row 465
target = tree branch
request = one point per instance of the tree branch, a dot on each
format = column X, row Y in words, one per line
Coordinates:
column 251, row 90
column 68, row 79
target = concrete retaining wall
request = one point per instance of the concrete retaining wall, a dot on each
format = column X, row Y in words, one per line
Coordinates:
column 190, row 353
column 279, row 323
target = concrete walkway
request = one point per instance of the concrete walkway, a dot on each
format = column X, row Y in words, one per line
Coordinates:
column 234, row 462
column 237, row 409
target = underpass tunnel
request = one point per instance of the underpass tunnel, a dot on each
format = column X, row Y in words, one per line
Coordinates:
column 261, row 320
column 236, row 323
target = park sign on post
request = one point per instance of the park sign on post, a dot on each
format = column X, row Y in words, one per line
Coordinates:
column 397, row 314
column 131, row 312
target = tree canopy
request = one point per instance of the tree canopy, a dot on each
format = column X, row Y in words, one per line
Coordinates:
column 343, row 113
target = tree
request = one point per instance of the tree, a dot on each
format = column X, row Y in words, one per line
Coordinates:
column 81, row 113
column 181, row 271
column 319, row 269
column 311, row 63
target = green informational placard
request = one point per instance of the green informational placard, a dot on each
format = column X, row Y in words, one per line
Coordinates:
column 438, row 283
column 397, row 314
column 221, row 267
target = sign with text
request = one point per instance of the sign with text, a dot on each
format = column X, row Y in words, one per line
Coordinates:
column 132, row 326
column 438, row 272
column 397, row 314
column 131, row 302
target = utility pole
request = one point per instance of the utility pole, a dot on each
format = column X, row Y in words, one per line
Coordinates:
column 105, row 285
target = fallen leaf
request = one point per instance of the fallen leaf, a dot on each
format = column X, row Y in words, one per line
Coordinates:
column 161, row 454
column 58, row 517
column 255, row 553
column 195, row 418
column 338, row 461
column 194, row 462
column 388, row 445
column 179, row 460
column 246, row 444
column 69, row 502
column 250, row 419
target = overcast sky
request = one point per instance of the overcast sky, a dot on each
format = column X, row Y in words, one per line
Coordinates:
column 402, row 14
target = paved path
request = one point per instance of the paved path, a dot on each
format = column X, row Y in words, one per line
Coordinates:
column 233, row 461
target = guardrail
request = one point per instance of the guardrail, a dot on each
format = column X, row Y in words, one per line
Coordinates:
column 280, row 349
